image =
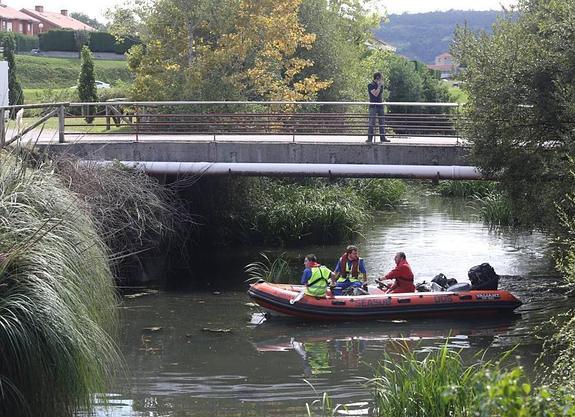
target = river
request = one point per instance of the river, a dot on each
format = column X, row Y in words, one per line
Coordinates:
column 208, row 351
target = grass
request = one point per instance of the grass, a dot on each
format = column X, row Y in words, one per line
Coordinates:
column 495, row 209
column 437, row 383
column 465, row 188
column 36, row 72
column 57, row 300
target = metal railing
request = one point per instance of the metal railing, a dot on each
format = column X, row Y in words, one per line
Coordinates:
column 216, row 118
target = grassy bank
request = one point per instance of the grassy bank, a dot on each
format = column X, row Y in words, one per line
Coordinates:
column 50, row 73
column 57, row 301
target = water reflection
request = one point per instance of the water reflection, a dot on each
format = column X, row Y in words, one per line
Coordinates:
column 212, row 352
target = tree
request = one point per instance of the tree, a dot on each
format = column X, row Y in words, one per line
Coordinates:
column 15, row 94
column 86, row 83
column 521, row 86
column 84, row 18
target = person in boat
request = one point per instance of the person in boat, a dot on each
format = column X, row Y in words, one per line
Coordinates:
column 315, row 277
column 350, row 271
column 401, row 274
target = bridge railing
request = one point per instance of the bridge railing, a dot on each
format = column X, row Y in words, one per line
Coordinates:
column 218, row 118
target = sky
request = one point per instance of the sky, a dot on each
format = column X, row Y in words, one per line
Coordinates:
column 97, row 8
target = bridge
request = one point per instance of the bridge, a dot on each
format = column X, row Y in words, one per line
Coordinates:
column 251, row 138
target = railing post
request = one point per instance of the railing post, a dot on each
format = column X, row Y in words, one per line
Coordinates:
column 61, row 124
column 2, row 128
column 107, row 110
column 137, row 121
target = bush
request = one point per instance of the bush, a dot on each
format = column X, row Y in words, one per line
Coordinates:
column 24, row 43
column 58, row 40
column 57, row 300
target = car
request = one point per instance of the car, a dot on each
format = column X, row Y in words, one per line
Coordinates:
column 102, row 84
column 35, row 51
column 98, row 84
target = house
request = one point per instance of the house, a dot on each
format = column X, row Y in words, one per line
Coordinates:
column 445, row 64
column 11, row 20
column 375, row 43
column 54, row 20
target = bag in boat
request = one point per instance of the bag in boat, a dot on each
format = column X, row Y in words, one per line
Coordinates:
column 483, row 277
column 444, row 282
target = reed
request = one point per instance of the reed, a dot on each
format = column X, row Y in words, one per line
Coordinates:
column 466, row 189
column 380, row 194
column 495, row 209
column 57, row 301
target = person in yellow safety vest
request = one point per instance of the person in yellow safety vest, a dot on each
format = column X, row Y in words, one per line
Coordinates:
column 315, row 277
column 350, row 271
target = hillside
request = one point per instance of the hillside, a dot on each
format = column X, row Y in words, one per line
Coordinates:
column 423, row 36
column 43, row 72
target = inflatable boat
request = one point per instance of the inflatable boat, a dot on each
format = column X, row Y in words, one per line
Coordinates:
column 278, row 299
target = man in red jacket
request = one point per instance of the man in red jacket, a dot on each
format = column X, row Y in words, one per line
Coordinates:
column 401, row 274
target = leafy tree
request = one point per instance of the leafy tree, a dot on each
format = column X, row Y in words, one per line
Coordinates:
column 521, row 87
column 261, row 52
column 15, row 94
column 86, row 82
column 84, row 18
column 340, row 52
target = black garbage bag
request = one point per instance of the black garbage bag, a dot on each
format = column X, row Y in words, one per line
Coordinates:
column 440, row 280
column 483, row 277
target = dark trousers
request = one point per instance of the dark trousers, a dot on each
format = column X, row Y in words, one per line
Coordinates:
column 376, row 117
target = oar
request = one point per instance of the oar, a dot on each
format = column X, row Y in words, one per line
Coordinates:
column 297, row 297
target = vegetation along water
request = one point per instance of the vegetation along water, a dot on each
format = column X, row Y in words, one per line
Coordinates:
column 71, row 233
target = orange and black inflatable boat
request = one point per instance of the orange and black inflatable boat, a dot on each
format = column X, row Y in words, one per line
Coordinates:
column 275, row 299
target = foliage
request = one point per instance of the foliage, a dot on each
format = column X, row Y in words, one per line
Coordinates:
column 380, row 194
column 439, row 384
column 15, row 93
column 44, row 72
column 87, row 82
column 24, row 43
column 58, row 40
column 465, row 188
column 57, row 301
column 268, row 270
column 412, row 81
column 496, row 209
column 340, row 51
column 84, row 18
column 423, row 36
column 276, row 212
column 131, row 210
column 522, row 103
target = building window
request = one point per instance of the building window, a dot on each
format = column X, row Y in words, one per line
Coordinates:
column 9, row 26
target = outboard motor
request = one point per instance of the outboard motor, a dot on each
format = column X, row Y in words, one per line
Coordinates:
column 483, row 277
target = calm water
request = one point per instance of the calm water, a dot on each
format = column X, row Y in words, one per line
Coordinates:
column 209, row 352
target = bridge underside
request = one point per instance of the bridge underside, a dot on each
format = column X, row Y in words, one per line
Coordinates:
column 286, row 159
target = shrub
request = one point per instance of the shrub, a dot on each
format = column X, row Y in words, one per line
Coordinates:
column 57, row 300
column 58, row 40
column 380, row 194
column 24, row 43
column 465, row 188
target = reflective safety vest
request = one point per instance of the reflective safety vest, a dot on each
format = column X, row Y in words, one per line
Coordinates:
column 317, row 284
column 346, row 274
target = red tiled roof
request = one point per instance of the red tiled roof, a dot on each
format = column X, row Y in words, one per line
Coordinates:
column 442, row 67
column 59, row 20
column 9, row 13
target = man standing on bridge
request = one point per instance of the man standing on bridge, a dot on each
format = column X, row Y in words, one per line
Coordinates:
column 375, row 91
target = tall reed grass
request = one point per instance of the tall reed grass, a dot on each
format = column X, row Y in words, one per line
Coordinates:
column 495, row 209
column 439, row 384
column 465, row 188
column 380, row 194
column 57, row 300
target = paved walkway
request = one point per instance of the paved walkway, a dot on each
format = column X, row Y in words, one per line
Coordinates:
column 47, row 136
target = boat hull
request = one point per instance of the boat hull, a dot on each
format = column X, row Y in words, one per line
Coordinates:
column 275, row 298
